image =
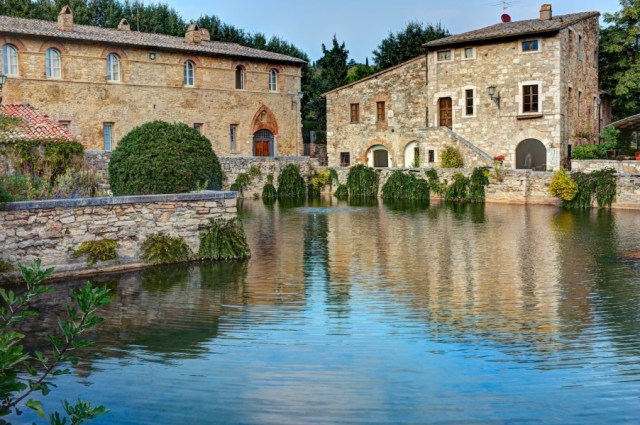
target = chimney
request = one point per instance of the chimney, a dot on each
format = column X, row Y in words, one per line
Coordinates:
column 193, row 34
column 65, row 19
column 545, row 12
column 124, row 25
column 204, row 34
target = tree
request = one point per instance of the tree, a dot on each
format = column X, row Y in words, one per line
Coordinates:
column 359, row 71
column 407, row 43
column 620, row 58
column 333, row 64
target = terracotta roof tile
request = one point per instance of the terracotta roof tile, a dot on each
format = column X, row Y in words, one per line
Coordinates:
column 35, row 27
column 513, row 29
column 34, row 125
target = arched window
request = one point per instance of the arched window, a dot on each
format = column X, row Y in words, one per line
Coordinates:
column 9, row 60
column 240, row 77
column 189, row 73
column 52, row 63
column 113, row 67
column 273, row 80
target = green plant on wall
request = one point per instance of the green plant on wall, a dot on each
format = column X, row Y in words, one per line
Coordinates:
column 362, row 182
column 269, row 191
column 5, row 266
column 435, row 185
column 563, row 186
column 100, row 250
column 406, row 187
column 319, row 180
column 254, row 171
column 163, row 249
column 342, row 192
column 601, row 185
column 223, row 240
column 478, row 181
column 290, row 183
column 458, row 190
column 451, row 158
column 243, row 180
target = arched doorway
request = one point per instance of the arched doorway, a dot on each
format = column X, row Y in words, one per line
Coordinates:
column 378, row 157
column 263, row 143
column 531, row 155
column 412, row 155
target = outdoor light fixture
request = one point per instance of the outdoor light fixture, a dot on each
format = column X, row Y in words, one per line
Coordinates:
column 3, row 79
column 491, row 90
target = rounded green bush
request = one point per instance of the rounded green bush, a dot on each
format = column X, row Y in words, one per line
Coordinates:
column 159, row 157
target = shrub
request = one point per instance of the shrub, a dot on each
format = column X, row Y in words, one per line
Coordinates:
column 342, row 192
column 102, row 250
column 77, row 184
column 405, row 186
column 159, row 157
column 163, row 249
column 254, row 171
column 269, row 191
column 434, row 181
column 362, row 182
column 600, row 184
column 19, row 187
column 458, row 191
column 290, row 183
column 563, row 186
column 478, row 181
column 451, row 158
column 242, row 182
column 593, row 151
column 223, row 240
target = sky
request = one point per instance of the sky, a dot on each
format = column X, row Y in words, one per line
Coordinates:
column 362, row 24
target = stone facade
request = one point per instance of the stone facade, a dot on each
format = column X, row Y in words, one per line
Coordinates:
column 52, row 230
column 475, row 85
column 152, row 86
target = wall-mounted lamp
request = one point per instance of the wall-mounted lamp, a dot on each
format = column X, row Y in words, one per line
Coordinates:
column 3, row 79
column 491, row 90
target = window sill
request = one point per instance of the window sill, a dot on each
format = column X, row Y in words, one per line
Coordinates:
column 528, row 116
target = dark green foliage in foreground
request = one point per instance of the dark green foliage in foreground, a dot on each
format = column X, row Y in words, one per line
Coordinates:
column 290, row 183
column 269, row 191
column 243, row 180
column 223, row 240
column 102, row 250
column 362, row 182
column 601, row 185
column 458, row 190
column 478, row 181
column 5, row 266
column 434, row 181
column 164, row 249
column 342, row 192
column 159, row 157
column 24, row 375
column 405, row 186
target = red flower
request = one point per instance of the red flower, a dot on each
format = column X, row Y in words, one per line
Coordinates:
column 498, row 158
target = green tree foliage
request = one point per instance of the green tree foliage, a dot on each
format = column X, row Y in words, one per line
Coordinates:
column 406, row 44
column 359, row 71
column 159, row 157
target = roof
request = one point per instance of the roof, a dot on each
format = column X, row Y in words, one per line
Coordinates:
column 111, row 36
column 33, row 125
column 376, row 75
column 515, row 29
column 630, row 123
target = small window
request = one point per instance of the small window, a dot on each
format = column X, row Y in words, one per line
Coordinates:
column 444, row 55
column 189, row 74
column 345, row 159
column 579, row 102
column 65, row 124
column 9, row 60
column 197, row 126
column 233, row 136
column 530, row 99
column 380, row 112
column 530, row 46
column 52, row 64
column 468, row 102
column 580, row 48
column 570, row 152
column 469, row 53
column 240, row 77
column 355, row 113
column 107, row 130
column 432, row 155
column 113, row 67
column 273, row 80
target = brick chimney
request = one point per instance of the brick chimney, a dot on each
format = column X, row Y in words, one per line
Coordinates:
column 545, row 12
column 193, row 34
column 124, row 25
column 65, row 19
column 204, row 34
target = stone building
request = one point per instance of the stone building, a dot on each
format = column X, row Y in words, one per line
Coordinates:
column 101, row 83
column 519, row 89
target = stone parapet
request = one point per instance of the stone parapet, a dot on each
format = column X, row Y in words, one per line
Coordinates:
column 589, row 165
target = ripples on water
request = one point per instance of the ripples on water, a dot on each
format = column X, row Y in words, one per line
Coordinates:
column 381, row 314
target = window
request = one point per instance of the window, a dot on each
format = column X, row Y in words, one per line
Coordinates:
column 355, row 112
column 380, row 112
column 239, row 77
column 9, row 60
column 579, row 102
column 107, row 130
column 273, row 80
column 113, row 67
column 233, row 135
column 444, row 55
column 432, row 155
column 530, row 46
column 52, row 64
column 580, row 48
column 530, row 99
column 468, row 103
column 189, row 73
column 345, row 159
column 197, row 126
column 65, row 124
column 469, row 53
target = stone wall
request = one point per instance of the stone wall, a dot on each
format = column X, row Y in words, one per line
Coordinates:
column 589, row 165
column 52, row 230
column 98, row 161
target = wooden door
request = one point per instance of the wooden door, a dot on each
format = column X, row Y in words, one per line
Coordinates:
column 446, row 113
column 380, row 158
column 262, row 148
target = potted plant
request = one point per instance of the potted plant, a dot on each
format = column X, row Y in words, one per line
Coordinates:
column 497, row 166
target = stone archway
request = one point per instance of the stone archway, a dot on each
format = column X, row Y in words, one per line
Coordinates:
column 378, row 157
column 412, row 154
column 264, row 119
column 531, row 154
